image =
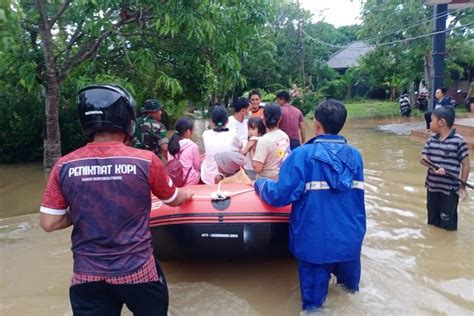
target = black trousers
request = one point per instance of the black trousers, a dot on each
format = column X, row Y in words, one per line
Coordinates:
column 428, row 119
column 103, row 299
column 294, row 143
column 443, row 210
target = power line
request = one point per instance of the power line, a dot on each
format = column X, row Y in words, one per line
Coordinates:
column 394, row 31
column 432, row 18
column 386, row 43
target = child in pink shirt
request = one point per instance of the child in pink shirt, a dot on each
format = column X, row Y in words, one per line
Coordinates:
column 183, row 148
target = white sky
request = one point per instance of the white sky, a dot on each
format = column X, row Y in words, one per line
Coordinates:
column 336, row 12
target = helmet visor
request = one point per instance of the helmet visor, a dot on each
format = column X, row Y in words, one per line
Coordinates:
column 105, row 108
column 98, row 98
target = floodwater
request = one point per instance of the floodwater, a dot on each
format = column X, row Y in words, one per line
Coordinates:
column 408, row 267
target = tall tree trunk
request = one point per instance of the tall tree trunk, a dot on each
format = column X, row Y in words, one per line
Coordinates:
column 52, row 139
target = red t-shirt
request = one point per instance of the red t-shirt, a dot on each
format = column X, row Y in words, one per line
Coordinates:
column 106, row 187
column 291, row 117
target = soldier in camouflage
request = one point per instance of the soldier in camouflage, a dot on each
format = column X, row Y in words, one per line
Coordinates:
column 150, row 133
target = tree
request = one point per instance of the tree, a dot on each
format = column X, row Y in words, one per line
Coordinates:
column 176, row 44
column 397, row 65
column 271, row 62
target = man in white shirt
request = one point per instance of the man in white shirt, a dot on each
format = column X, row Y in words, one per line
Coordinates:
column 238, row 121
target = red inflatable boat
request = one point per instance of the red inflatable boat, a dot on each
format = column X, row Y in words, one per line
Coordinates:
column 227, row 222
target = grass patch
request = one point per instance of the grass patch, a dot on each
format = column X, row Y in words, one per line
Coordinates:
column 374, row 109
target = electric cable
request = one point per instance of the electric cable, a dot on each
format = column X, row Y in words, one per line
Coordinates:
column 386, row 43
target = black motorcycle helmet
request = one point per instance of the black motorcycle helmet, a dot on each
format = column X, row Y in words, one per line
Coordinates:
column 106, row 107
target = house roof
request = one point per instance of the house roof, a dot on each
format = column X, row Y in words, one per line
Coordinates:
column 349, row 55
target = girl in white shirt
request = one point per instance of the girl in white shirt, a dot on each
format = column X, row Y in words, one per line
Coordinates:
column 217, row 140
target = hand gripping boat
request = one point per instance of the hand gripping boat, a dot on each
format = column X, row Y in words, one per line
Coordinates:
column 225, row 222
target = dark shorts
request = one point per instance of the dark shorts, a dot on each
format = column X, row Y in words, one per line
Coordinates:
column 314, row 280
column 294, row 143
column 443, row 210
column 405, row 112
column 103, row 299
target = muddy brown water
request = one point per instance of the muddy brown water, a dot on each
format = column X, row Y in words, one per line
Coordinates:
column 408, row 267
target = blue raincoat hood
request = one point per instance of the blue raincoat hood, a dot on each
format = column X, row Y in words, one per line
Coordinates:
column 339, row 163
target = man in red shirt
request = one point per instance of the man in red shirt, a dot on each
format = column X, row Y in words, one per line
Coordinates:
column 103, row 191
column 292, row 120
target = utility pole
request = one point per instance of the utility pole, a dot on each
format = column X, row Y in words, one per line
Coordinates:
column 300, row 47
column 439, row 50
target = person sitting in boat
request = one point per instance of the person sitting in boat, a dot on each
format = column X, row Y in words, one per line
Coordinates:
column 257, row 129
column 183, row 148
column 230, row 163
column 273, row 147
column 217, row 140
column 238, row 121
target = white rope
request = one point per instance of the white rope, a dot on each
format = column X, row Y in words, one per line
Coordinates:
column 223, row 194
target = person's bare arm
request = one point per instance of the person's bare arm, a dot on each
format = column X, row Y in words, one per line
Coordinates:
column 440, row 170
column 465, row 165
column 164, row 151
column 248, row 147
column 50, row 222
column 257, row 166
column 423, row 162
column 183, row 196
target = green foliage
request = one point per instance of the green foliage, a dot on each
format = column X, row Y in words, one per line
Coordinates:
column 307, row 103
column 170, row 50
column 71, row 132
column 200, row 52
column 21, row 120
column 174, row 110
column 333, row 89
column 169, row 84
column 395, row 67
column 274, row 62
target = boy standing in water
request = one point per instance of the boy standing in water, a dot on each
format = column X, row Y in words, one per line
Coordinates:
column 103, row 191
column 324, row 181
column 449, row 151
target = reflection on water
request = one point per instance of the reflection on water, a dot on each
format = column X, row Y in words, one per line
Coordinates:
column 408, row 267
column 21, row 189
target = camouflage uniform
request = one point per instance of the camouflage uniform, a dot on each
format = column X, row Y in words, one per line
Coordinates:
column 149, row 134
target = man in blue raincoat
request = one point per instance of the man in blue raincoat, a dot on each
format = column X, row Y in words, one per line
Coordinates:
column 324, row 181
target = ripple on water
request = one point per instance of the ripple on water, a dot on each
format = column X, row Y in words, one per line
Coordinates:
column 11, row 230
column 186, row 298
column 390, row 258
column 397, row 234
column 460, row 287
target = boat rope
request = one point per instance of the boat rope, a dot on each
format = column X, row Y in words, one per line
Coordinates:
column 220, row 194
